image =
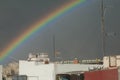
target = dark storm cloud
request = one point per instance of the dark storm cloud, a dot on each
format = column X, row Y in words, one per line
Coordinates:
column 16, row 16
column 77, row 34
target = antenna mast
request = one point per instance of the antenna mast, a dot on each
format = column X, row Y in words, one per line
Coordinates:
column 103, row 27
column 54, row 47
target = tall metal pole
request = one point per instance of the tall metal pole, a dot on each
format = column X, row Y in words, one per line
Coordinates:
column 103, row 27
column 54, row 52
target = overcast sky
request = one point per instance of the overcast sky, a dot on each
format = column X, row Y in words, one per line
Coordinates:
column 77, row 34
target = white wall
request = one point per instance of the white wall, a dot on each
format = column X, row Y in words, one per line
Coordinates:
column 0, row 72
column 37, row 71
column 111, row 61
column 118, row 60
column 63, row 68
column 106, row 61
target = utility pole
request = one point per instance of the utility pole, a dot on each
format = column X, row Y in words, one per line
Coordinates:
column 103, row 27
column 54, row 52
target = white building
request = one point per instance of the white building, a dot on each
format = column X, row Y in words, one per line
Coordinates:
column 111, row 61
column 0, row 72
column 39, row 71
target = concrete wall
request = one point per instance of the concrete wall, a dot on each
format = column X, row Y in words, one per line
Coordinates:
column 63, row 68
column 111, row 61
column 106, row 61
column 37, row 71
column 118, row 60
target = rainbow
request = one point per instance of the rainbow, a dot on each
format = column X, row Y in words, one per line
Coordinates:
column 37, row 26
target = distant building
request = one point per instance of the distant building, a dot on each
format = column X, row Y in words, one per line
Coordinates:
column 39, row 67
column 0, row 72
column 111, row 61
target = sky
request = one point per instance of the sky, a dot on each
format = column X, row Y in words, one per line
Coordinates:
column 77, row 33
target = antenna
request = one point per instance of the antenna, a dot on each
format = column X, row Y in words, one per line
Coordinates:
column 103, row 27
column 54, row 47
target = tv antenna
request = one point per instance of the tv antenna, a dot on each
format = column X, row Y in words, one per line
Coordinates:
column 103, row 8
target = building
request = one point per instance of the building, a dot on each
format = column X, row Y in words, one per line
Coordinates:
column 39, row 71
column 0, row 72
